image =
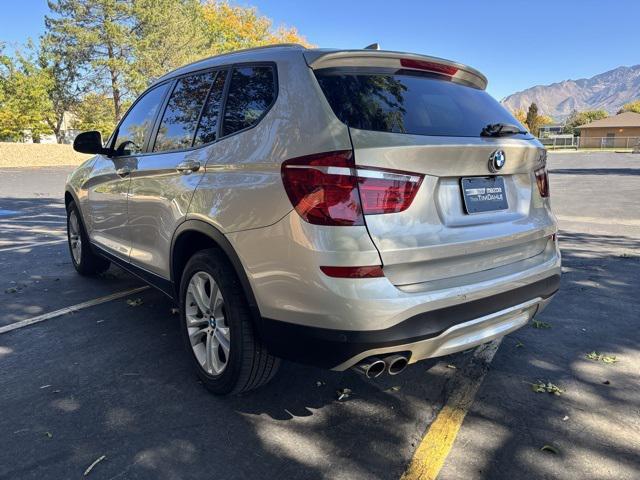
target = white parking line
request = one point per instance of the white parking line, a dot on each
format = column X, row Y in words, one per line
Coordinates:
column 73, row 308
column 31, row 245
column 20, row 220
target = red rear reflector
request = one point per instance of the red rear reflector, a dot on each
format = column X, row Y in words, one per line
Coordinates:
column 431, row 66
column 373, row 271
column 328, row 189
column 542, row 179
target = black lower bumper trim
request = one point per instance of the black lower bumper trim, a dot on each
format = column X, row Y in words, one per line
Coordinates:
column 329, row 348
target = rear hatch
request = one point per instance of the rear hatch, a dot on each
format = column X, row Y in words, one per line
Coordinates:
column 478, row 211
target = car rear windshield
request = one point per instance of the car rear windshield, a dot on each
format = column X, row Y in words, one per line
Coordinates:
column 407, row 102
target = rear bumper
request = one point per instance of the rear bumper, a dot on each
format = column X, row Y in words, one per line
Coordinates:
column 428, row 334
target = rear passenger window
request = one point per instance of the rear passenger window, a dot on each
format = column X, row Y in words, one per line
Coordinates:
column 180, row 118
column 208, row 127
column 251, row 93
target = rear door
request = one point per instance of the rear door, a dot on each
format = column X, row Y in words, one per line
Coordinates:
column 429, row 123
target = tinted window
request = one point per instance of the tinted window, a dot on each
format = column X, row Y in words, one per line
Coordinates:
column 251, row 93
column 408, row 103
column 180, row 118
column 208, row 127
column 137, row 124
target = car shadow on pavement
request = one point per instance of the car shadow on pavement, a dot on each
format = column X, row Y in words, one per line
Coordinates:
column 115, row 380
column 37, row 274
column 596, row 171
column 593, row 426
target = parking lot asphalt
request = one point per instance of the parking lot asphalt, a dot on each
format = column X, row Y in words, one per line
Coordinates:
column 113, row 380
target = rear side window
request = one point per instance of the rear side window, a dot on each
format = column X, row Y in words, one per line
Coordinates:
column 136, row 125
column 410, row 103
column 178, row 125
column 208, row 127
column 251, row 93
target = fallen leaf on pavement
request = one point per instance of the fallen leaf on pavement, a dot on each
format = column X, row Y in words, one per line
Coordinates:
column 90, row 467
column 49, row 434
column 550, row 449
column 134, row 303
column 343, row 394
column 601, row 357
column 542, row 387
column 540, row 324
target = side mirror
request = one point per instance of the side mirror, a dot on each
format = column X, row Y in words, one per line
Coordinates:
column 90, row 142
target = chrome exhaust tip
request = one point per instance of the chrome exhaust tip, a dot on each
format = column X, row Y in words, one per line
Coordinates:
column 371, row 367
column 396, row 363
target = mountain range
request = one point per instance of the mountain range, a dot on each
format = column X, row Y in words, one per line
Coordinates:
column 607, row 91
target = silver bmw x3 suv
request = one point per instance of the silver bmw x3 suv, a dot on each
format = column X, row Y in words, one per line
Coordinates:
column 342, row 208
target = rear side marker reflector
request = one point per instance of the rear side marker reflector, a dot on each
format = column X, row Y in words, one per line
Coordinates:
column 430, row 66
column 542, row 179
column 374, row 271
column 328, row 189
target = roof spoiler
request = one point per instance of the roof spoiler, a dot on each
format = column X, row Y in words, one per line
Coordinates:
column 319, row 59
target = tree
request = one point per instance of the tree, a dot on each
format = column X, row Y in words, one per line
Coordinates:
column 521, row 116
column 167, row 34
column 233, row 28
column 97, row 36
column 24, row 103
column 64, row 87
column 532, row 119
column 577, row 119
column 94, row 112
column 631, row 107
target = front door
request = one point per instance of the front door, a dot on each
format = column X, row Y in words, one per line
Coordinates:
column 108, row 186
column 164, row 180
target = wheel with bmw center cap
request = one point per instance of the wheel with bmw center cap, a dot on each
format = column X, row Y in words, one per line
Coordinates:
column 217, row 327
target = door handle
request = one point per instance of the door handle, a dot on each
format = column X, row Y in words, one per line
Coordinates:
column 188, row 167
column 123, row 171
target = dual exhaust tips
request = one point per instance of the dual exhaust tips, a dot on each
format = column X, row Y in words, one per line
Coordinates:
column 373, row 367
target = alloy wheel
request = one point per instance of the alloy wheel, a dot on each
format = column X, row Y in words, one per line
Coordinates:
column 207, row 326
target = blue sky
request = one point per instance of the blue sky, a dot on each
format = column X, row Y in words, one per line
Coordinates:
column 516, row 43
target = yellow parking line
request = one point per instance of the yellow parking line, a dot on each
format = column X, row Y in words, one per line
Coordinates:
column 436, row 444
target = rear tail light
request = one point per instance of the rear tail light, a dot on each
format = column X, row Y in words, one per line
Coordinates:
column 542, row 179
column 374, row 271
column 386, row 191
column 328, row 189
column 323, row 189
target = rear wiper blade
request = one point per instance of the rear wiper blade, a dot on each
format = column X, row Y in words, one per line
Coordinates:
column 499, row 129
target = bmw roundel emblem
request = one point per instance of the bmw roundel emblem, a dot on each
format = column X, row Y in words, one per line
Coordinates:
column 497, row 160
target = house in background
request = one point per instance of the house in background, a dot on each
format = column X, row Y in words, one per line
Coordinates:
column 67, row 131
column 550, row 130
column 618, row 131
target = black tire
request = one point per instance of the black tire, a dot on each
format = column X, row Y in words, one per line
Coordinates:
column 249, row 365
column 88, row 263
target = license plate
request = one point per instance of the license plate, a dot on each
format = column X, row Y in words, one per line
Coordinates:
column 484, row 194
